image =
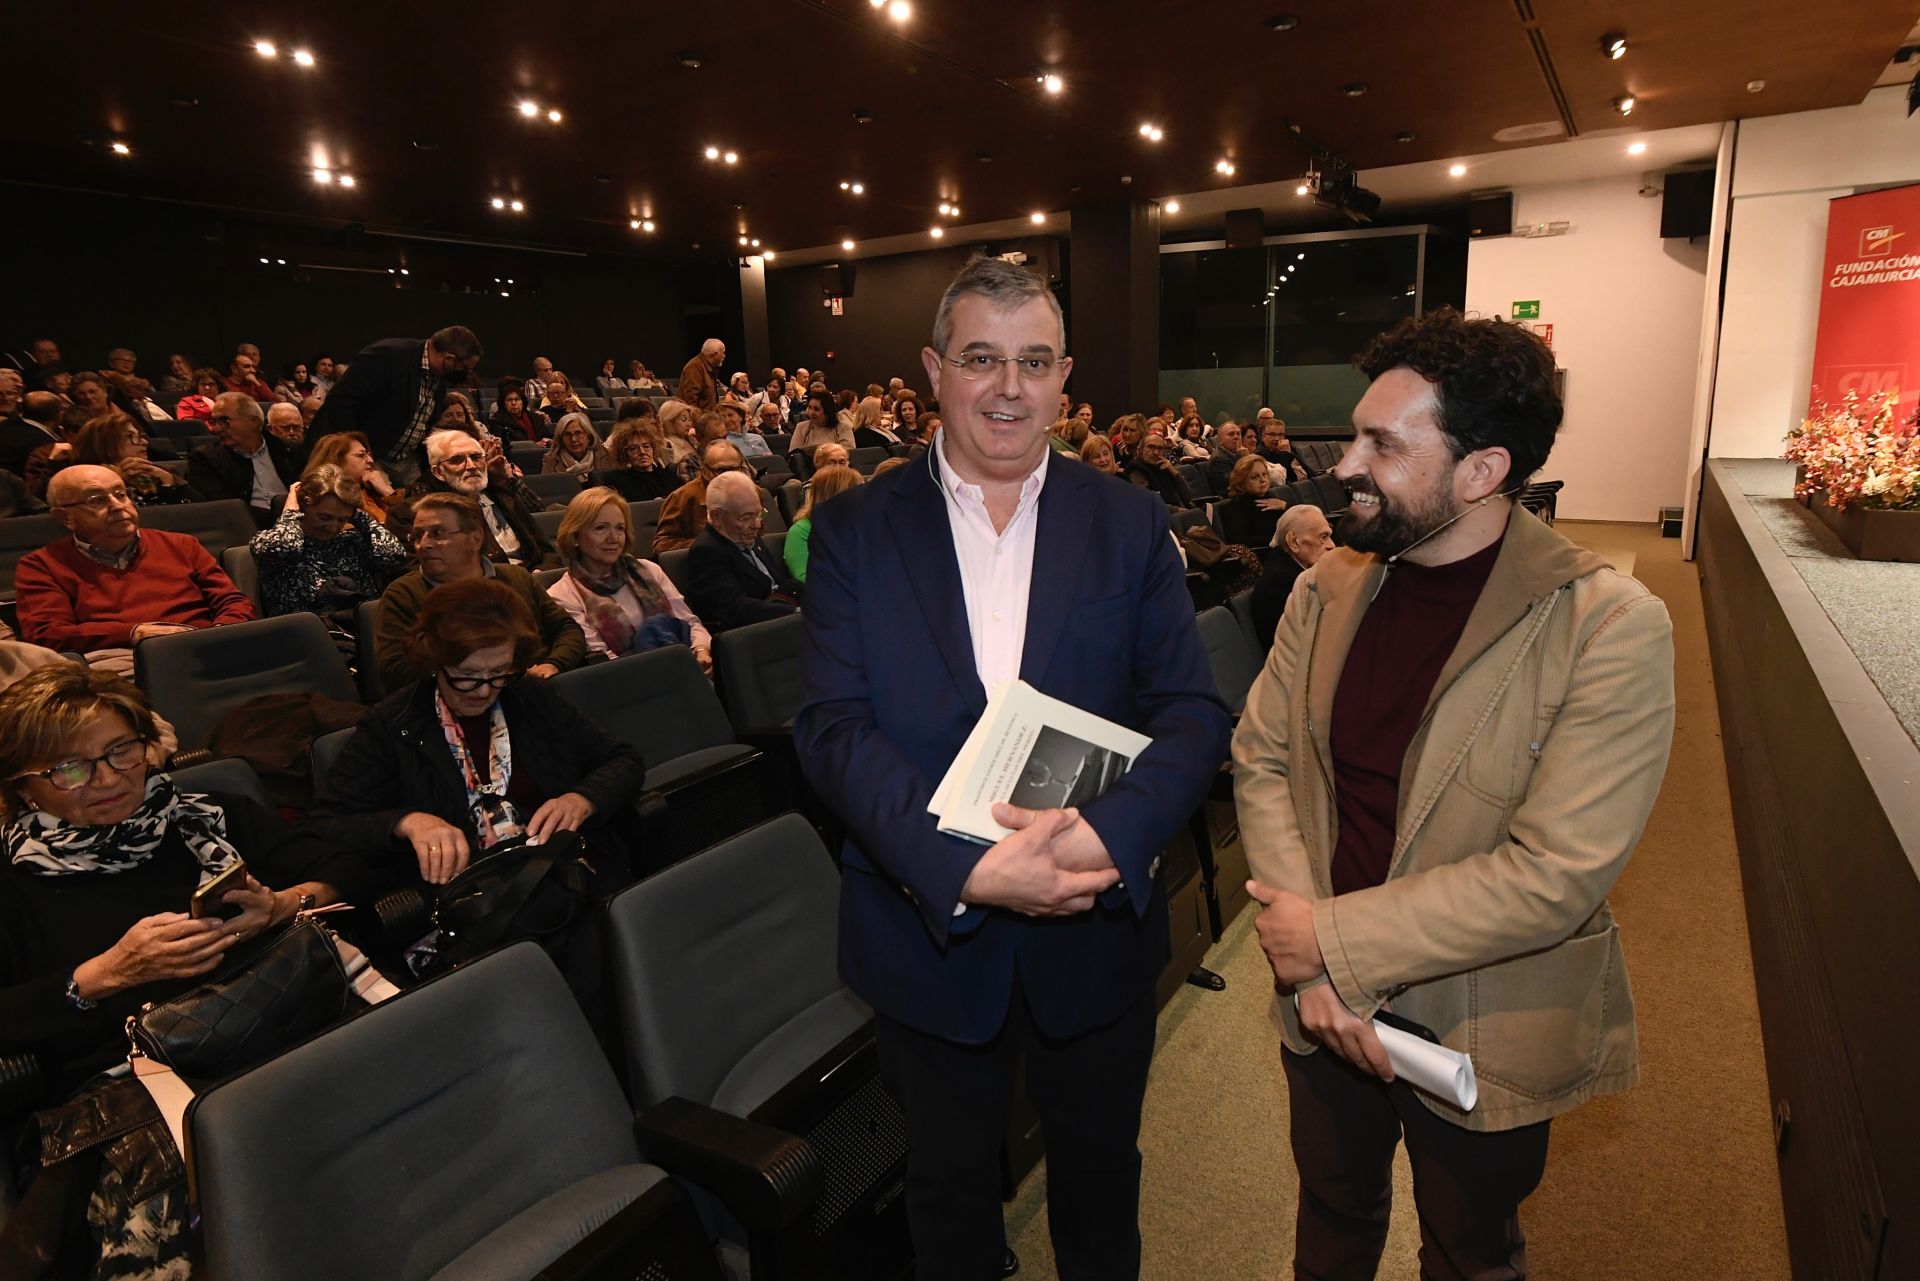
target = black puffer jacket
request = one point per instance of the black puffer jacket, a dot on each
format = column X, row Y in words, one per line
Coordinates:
column 397, row 763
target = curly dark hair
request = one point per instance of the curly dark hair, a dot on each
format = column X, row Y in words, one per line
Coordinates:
column 1493, row 380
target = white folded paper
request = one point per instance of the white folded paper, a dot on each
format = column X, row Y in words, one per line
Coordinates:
column 1433, row 1068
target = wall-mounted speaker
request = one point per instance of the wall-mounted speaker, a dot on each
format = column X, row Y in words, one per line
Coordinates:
column 1245, row 228
column 1687, row 207
column 1490, row 214
column 836, row 280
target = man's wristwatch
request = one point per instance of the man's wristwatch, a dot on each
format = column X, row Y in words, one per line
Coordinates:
column 74, row 998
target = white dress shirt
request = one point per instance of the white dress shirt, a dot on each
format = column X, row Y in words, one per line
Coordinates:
column 996, row 569
column 267, row 484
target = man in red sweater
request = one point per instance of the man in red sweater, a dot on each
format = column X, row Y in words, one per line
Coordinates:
column 110, row 585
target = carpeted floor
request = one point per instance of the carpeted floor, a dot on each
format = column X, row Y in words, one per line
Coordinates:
column 1673, row 1181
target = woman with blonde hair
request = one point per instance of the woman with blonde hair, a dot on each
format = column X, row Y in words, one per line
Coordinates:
column 1247, row 516
column 1125, row 435
column 1096, row 451
column 869, row 429
column 623, row 604
column 828, row 482
column 352, row 453
column 325, row 554
column 575, row 449
column 677, row 421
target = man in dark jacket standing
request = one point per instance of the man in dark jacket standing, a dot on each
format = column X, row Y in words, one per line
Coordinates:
column 394, row 390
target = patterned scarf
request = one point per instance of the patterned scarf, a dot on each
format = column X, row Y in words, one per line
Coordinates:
column 494, row 816
column 605, row 618
column 42, row 845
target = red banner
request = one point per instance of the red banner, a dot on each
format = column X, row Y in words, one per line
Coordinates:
column 1869, row 336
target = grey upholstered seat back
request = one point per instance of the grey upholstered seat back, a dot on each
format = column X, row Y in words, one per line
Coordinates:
column 1229, row 653
column 223, row 523
column 759, row 667
column 387, row 1146
column 195, row 678
column 717, row 952
column 659, row 701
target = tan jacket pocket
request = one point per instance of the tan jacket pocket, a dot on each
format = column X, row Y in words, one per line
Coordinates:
column 1539, row 1021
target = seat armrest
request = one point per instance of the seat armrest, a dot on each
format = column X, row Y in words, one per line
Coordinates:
column 401, row 916
column 766, row 1177
column 650, row 810
column 191, row 756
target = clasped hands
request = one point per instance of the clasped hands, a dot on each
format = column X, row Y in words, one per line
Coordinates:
column 1054, row 864
column 1287, row 936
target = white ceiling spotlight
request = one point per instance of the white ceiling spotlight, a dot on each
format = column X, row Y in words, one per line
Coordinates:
column 847, row 245
column 936, row 232
column 1613, row 45
column 713, row 153
column 899, row 10
column 529, row 108
column 1052, row 83
column 1171, row 206
column 303, row 57
column 1152, row 132
column 1624, row 104
column 120, row 148
column 266, row 49
column 1456, row 171
column 1636, row 148
column 1223, row 167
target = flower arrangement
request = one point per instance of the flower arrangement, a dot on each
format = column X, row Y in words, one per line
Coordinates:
column 1858, row 454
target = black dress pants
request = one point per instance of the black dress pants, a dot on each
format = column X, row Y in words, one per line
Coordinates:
column 1088, row 1090
column 1467, row 1185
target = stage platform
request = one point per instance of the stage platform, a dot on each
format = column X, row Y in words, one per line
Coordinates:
column 1816, row 660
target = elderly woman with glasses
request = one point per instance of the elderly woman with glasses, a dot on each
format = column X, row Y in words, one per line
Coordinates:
column 448, row 535
column 639, row 471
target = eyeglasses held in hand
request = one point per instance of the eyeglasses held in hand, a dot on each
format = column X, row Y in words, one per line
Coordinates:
column 468, row 684
column 979, row 364
column 70, row 776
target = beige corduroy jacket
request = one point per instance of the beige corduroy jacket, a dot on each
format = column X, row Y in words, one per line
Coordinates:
column 1525, row 788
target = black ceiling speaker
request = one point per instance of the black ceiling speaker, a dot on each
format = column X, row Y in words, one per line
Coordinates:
column 1490, row 214
column 1245, row 228
column 836, row 280
column 1686, row 207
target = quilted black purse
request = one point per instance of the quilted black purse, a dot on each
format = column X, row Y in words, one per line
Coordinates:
column 289, row 986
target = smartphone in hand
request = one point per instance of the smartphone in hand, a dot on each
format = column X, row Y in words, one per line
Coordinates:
column 209, row 899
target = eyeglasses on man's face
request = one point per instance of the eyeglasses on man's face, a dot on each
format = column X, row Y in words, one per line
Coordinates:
column 71, row 776
column 435, row 533
column 468, row 684
column 975, row 365
column 102, row 500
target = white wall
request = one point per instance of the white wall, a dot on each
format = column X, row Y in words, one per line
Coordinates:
column 1785, row 170
column 1625, row 307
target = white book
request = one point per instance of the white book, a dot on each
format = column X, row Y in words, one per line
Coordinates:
column 1031, row 750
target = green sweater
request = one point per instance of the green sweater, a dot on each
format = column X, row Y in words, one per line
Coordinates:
column 794, row 550
column 562, row 643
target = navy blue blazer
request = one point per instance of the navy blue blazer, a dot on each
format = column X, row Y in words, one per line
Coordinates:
column 891, row 691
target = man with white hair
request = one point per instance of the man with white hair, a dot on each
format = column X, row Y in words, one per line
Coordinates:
column 739, row 388
column 287, row 422
column 457, row 464
column 242, row 461
column 1300, row 537
column 697, row 386
column 536, row 386
column 109, row 585
column 731, row 580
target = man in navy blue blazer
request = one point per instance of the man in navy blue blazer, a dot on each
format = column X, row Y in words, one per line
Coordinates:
column 986, row 560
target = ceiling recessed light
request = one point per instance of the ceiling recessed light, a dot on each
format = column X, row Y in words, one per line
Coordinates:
column 1052, row 83
column 529, row 108
column 1755, row 86
column 553, row 115
column 713, row 153
column 1405, row 135
column 263, row 262
column 405, row 272
column 1299, row 257
column 498, row 203
column 1282, row 22
column 303, row 56
column 646, row 224
column 767, row 254
column 899, row 10
column 280, row 261
column 936, row 232
column 743, row 240
column 847, row 245
column 1456, row 171
column 756, row 244
column 1613, row 45
column 945, row 208
column 1152, row 132
column 1300, row 189
column 1223, row 166
column 846, row 186
column 954, row 212
column 1036, row 218
column 1624, row 104
column 393, row 271
column 859, row 189
column 322, row 176
column 516, row 206
column 346, row 180
column 266, row 49
column 122, row 149
column 878, row 4
column 1355, row 90
column 1171, row 206
column 633, row 224
column 1636, row 148
column 731, row 157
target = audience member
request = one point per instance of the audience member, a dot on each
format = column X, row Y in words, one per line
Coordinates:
column 1084, row 412
column 1152, row 469
column 1229, row 447
column 831, row 454
column 40, row 359
column 889, row 464
column 393, row 390
column 640, row 378
column 1057, row 439
column 130, row 392
column 826, row 482
column 458, row 463
column 19, row 660
column 1246, row 516
column 731, row 579
column 1125, row 435
column 622, row 603
column 821, row 426
column 12, row 389
column 324, row 375
column 1097, row 452
column 534, row 390
column 739, row 389
column 637, row 473
column 697, row 386
column 117, row 441
column 906, row 418
column 679, row 434
column 458, row 415
column 559, row 398
column 771, row 422
column 684, row 513
column 242, row 461
column 576, row 449
column 749, row 443
column 1191, row 440
column 32, row 422
column 309, row 410
column 286, row 423
column 350, row 452
column 109, row 585
column 325, row 554
column 1278, row 452
column 296, row 383
column 243, row 376
column 1300, row 538
column 870, row 430
column 774, row 394
column 469, row 756
column 197, row 404
column 87, row 398
column 608, row 383
column 448, row 535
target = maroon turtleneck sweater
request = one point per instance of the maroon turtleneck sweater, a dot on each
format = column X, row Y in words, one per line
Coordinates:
column 1409, row 632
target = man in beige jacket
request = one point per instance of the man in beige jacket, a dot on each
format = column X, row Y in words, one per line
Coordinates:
column 1450, row 754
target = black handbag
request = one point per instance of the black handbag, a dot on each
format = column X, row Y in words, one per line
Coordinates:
column 289, row 986
column 513, row 892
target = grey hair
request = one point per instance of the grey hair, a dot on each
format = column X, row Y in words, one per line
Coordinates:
column 731, row 488
column 327, row 480
column 247, row 407
column 1001, row 283
column 437, row 443
column 1290, row 520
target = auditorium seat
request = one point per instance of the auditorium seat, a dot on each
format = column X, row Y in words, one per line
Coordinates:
column 801, row 461
column 1186, row 518
column 324, row 752
column 230, row 775
column 556, row 489
column 221, row 524
column 405, row 1144
column 366, row 626
column 195, row 678
column 675, row 564
column 778, row 444
column 771, row 469
column 1330, row 496
column 1230, row 654
column 238, row 562
column 527, row 455
column 865, row 460
column 548, row 523
column 1196, row 478
column 725, row 975
column 791, row 494
column 775, row 521
column 758, row 673
column 661, row 703
column 19, row 536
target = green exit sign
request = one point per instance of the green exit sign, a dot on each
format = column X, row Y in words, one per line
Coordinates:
column 1527, row 310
